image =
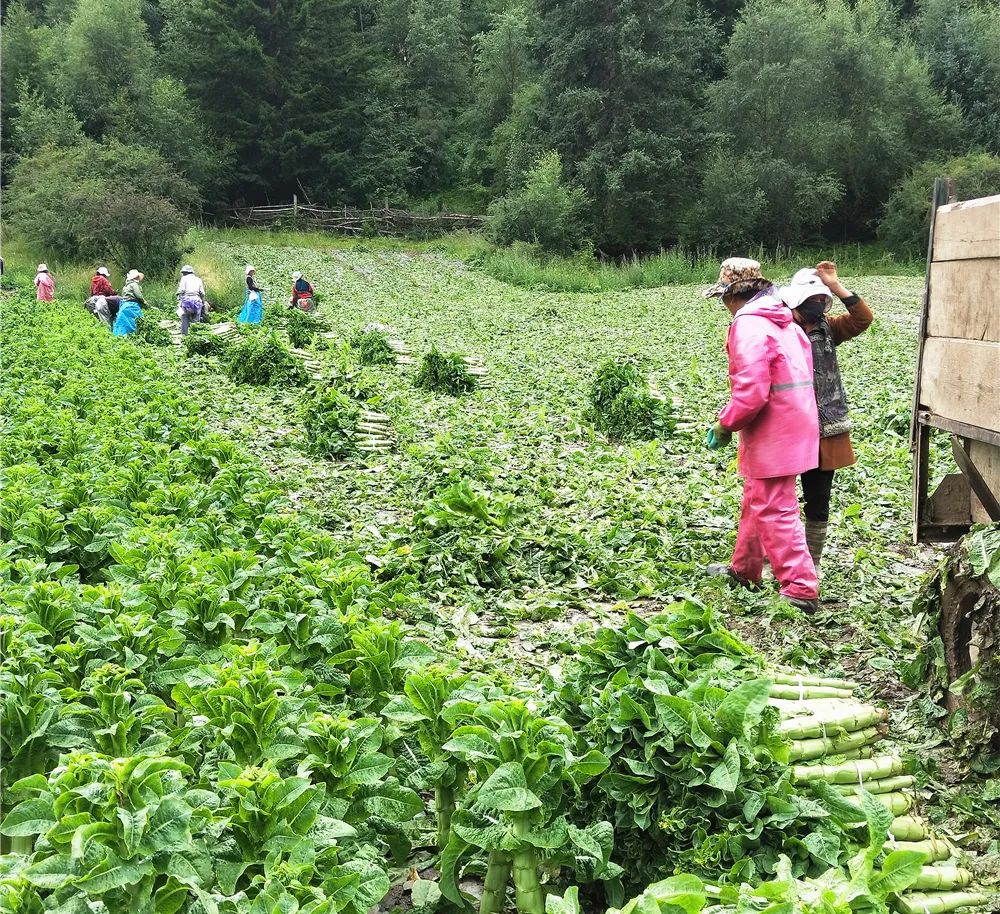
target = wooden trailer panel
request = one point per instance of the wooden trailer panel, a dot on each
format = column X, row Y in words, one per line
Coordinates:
column 964, row 304
column 968, row 230
column 958, row 371
column 961, row 380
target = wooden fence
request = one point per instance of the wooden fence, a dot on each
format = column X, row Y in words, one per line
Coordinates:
column 383, row 221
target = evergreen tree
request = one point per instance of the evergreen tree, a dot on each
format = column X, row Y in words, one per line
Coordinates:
column 622, row 82
column 816, row 93
column 960, row 40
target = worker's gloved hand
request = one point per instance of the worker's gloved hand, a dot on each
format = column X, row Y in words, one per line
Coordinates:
column 717, row 437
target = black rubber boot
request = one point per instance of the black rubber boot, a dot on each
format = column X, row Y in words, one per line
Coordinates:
column 809, row 607
column 816, row 540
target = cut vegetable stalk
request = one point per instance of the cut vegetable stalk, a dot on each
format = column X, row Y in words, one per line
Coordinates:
column 907, row 828
column 806, row 692
column 939, row 902
column 444, row 807
column 807, row 749
column 819, row 681
column 527, row 888
column 934, row 848
column 896, row 803
column 884, row 785
column 495, row 884
column 943, row 877
column 853, row 772
column 810, row 726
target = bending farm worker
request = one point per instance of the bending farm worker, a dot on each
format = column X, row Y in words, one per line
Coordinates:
column 302, row 293
column 190, row 298
column 100, row 285
column 772, row 406
column 810, row 295
column 45, row 285
column 130, row 307
column 253, row 304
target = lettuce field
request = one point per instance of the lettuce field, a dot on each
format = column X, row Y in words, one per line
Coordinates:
column 367, row 629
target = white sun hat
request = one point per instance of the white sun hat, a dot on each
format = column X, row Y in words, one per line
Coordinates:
column 43, row 268
column 805, row 284
column 250, row 269
column 132, row 274
column 103, row 271
column 296, row 275
column 187, row 268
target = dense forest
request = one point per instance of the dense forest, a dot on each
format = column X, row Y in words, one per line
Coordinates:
column 628, row 124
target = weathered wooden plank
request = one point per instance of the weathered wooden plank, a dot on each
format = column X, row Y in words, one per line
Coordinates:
column 965, row 299
column 960, row 380
column 968, row 230
column 986, row 457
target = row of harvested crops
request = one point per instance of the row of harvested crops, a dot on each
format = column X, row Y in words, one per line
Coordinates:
column 209, row 705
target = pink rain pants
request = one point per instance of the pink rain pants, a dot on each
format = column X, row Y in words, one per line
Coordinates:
column 770, row 525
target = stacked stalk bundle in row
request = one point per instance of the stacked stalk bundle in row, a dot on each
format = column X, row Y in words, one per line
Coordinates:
column 833, row 738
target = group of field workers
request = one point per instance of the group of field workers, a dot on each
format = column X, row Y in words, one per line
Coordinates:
column 302, row 297
column 121, row 310
column 788, row 404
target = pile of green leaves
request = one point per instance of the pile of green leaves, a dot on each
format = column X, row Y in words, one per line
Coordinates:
column 869, row 882
column 199, row 341
column 330, row 419
column 699, row 776
column 444, row 373
column 302, row 327
column 262, row 359
column 372, row 347
column 623, row 407
column 148, row 329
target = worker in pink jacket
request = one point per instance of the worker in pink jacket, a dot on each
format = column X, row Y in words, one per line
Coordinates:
column 773, row 407
column 45, row 287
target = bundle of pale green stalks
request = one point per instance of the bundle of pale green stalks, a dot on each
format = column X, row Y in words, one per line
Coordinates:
column 939, row 902
column 825, row 721
column 885, row 785
column 934, row 849
column 803, row 750
column 856, row 771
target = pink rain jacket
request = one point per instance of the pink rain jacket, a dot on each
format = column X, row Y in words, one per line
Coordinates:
column 771, row 403
column 45, row 286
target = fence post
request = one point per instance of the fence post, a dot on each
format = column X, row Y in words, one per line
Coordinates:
column 295, row 207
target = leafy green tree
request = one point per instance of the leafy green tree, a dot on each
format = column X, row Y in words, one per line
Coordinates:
column 819, row 95
column 105, row 60
column 170, row 122
column 546, row 211
column 124, row 203
column 960, row 40
column 907, row 214
column 504, row 66
column 621, row 87
column 40, row 124
column 21, row 45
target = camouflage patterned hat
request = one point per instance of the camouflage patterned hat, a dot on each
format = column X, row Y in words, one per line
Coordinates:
column 738, row 274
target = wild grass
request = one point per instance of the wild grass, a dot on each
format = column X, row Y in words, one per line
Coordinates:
column 214, row 253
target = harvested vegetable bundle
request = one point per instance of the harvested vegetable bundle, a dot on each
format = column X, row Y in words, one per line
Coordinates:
column 907, row 828
column 262, row 359
column 853, row 772
column 795, row 679
column 202, row 341
column 372, row 347
column 302, row 327
column 933, row 848
column 330, row 419
column 808, row 749
column 943, row 877
column 883, row 785
column 622, row 406
column 444, row 373
column 939, row 902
